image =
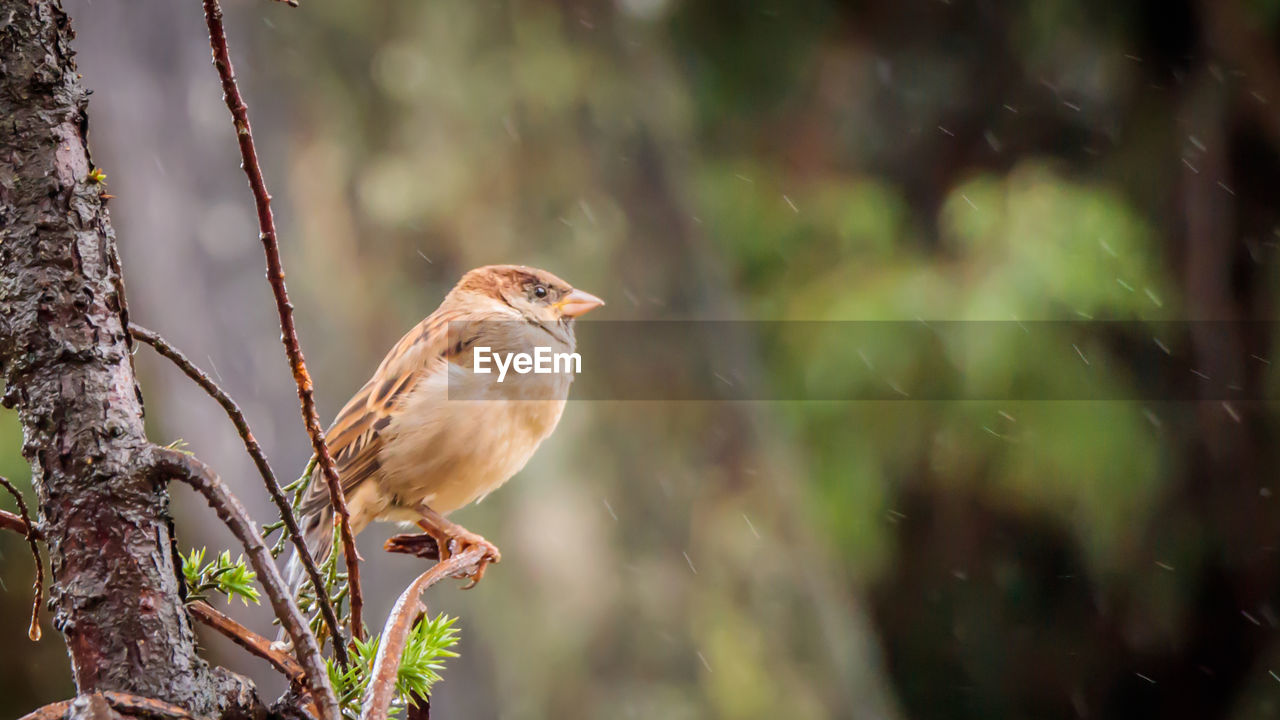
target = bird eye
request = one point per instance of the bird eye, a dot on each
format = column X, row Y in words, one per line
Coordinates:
column 539, row 291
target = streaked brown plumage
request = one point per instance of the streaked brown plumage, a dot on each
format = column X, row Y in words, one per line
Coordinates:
column 408, row 449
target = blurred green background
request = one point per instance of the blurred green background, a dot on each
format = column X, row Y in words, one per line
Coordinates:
column 705, row 159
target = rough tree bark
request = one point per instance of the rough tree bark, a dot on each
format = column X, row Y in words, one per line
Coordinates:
column 67, row 368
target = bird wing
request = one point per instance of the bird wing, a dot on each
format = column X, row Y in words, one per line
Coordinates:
column 357, row 435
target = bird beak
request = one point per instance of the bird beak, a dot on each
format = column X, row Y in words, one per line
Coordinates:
column 578, row 303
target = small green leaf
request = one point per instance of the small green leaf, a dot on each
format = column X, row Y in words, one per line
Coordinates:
column 231, row 578
column 429, row 644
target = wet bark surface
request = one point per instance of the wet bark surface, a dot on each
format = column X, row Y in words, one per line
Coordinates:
column 67, row 369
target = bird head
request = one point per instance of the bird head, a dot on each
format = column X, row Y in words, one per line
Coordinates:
column 536, row 295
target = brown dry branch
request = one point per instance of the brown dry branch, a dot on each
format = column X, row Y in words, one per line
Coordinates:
column 199, row 476
column 249, row 640
column 9, row 521
column 132, row 705
column 275, row 276
column 33, row 631
column 264, row 469
column 420, row 545
column 377, row 697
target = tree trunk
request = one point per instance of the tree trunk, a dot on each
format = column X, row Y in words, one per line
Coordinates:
column 67, row 368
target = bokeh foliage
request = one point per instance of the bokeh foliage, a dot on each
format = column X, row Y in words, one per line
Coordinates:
column 817, row 160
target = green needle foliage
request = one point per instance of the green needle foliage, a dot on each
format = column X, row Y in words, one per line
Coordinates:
column 429, row 644
column 335, row 586
column 232, row 579
column 298, row 488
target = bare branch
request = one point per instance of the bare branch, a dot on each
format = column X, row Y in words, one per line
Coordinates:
column 377, row 697
column 33, row 631
column 264, row 469
column 132, row 705
column 419, row 545
column 9, row 521
column 207, row 483
column 249, row 640
column 275, row 276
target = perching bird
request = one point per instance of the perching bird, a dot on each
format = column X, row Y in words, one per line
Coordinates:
column 427, row 434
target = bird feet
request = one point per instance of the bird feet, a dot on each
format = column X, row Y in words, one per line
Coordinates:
column 442, row 540
column 457, row 540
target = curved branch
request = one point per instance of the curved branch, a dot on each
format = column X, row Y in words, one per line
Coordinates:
column 207, row 483
column 264, row 469
column 124, row 702
column 33, row 630
column 395, row 633
column 16, row 523
column 249, row 640
column 275, row 276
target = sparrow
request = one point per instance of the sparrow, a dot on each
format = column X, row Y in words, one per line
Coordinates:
column 431, row 432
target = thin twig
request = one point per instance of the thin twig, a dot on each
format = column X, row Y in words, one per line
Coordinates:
column 195, row 473
column 395, row 633
column 249, row 640
column 275, row 276
column 264, row 469
column 298, row 488
column 9, row 521
column 133, row 705
column 420, row 545
column 37, row 588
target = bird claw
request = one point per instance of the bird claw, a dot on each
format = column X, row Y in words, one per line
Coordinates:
column 477, row 572
column 442, row 544
column 463, row 541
